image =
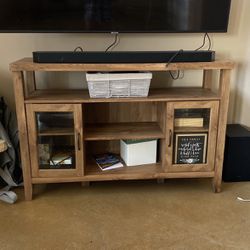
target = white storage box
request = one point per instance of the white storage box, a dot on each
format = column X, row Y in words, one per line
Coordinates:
column 106, row 85
column 138, row 152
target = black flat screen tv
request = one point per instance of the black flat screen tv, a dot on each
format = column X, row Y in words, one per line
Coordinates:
column 123, row 16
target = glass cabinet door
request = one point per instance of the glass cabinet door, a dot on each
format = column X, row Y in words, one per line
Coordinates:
column 191, row 136
column 56, row 145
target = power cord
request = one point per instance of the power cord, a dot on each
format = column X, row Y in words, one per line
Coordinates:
column 79, row 48
column 177, row 76
column 115, row 43
column 206, row 37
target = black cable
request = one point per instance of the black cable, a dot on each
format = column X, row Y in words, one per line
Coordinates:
column 175, row 77
column 170, row 61
column 209, row 42
column 78, row 48
column 174, row 56
column 113, row 44
column 206, row 36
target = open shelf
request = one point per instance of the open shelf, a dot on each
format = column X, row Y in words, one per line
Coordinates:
column 144, row 171
column 155, row 95
column 56, row 132
column 116, row 131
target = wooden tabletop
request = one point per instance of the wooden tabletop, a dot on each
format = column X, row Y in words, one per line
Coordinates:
column 3, row 146
column 27, row 64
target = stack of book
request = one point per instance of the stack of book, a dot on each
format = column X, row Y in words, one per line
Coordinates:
column 108, row 161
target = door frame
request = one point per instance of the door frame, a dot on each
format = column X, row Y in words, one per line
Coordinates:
column 211, row 139
column 76, row 109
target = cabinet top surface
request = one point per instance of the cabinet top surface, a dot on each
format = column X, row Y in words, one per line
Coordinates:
column 27, row 64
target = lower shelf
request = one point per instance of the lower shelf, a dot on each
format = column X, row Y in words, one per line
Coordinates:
column 149, row 170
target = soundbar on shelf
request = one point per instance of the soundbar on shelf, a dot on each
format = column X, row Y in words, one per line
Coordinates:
column 123, row 56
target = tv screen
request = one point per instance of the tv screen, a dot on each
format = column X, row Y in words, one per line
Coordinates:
column 114, row 15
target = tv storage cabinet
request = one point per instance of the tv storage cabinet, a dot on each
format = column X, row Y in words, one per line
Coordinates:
column 70, row 125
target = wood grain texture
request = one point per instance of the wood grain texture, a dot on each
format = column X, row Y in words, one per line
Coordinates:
column 152, row 172
column 79, row 143
column 117, row 131
column 224, row 90
column 156, row 110
column 207, row 79
column 212, row 134
column 155, row 95
column 56, row 131
column 26, row 64
column 33, row 139
column 18, row 80
column 30, row 83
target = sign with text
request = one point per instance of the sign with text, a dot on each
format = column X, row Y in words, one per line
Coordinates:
column 190, row 148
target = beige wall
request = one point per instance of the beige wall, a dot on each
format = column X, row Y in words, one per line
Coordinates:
column 233, row 45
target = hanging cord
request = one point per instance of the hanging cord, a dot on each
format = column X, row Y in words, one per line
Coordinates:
column 205, row 38
column 79, row 48
column 115, row 43
column 178, row 74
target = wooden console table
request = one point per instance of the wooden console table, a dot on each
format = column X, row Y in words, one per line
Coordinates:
column 53, row 123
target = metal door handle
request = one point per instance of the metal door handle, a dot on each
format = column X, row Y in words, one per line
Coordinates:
column 79, row 141
column 170, row 138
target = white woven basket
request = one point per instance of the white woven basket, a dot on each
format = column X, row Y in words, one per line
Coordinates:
column 106, row 85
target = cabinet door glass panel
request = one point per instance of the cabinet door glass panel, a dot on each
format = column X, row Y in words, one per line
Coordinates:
column 191, row 131
column 56, row 140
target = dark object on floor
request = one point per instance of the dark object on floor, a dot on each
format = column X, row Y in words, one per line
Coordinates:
column 237, row 154
column 10, row 163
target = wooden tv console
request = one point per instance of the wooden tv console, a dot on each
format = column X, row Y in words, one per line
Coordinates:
column 67, row 123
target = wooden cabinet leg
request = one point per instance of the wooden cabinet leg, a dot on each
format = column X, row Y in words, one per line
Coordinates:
column 216, row 184
column 28, row 191
column 85, row 184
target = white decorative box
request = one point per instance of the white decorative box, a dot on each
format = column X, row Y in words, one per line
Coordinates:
column 138, row 152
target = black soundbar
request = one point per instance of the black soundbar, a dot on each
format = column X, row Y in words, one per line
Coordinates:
column 123, row 56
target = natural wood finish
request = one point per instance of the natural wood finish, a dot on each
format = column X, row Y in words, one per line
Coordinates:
column 224, row 90
column 212, row 133
column 161, row 118
column 155, row 95
column 56, row 131
column 30, row 84
column 3, row 146
column 26, row 64
column 18, row 81
column 207, row 79
column 116, row 131
column 79, row 144
column 140, row 175
column 122, row 112
column 33, row 133
column 99, row 124
column 94, row 170
column 191, row 129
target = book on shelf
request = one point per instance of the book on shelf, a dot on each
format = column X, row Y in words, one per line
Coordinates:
column 189, row 122
column 108, row 161
column 61, row 158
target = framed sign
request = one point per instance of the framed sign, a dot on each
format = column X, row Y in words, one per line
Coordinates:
column 190, row 148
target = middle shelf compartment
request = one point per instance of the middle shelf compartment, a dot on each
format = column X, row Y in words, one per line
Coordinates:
column 116, row 131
